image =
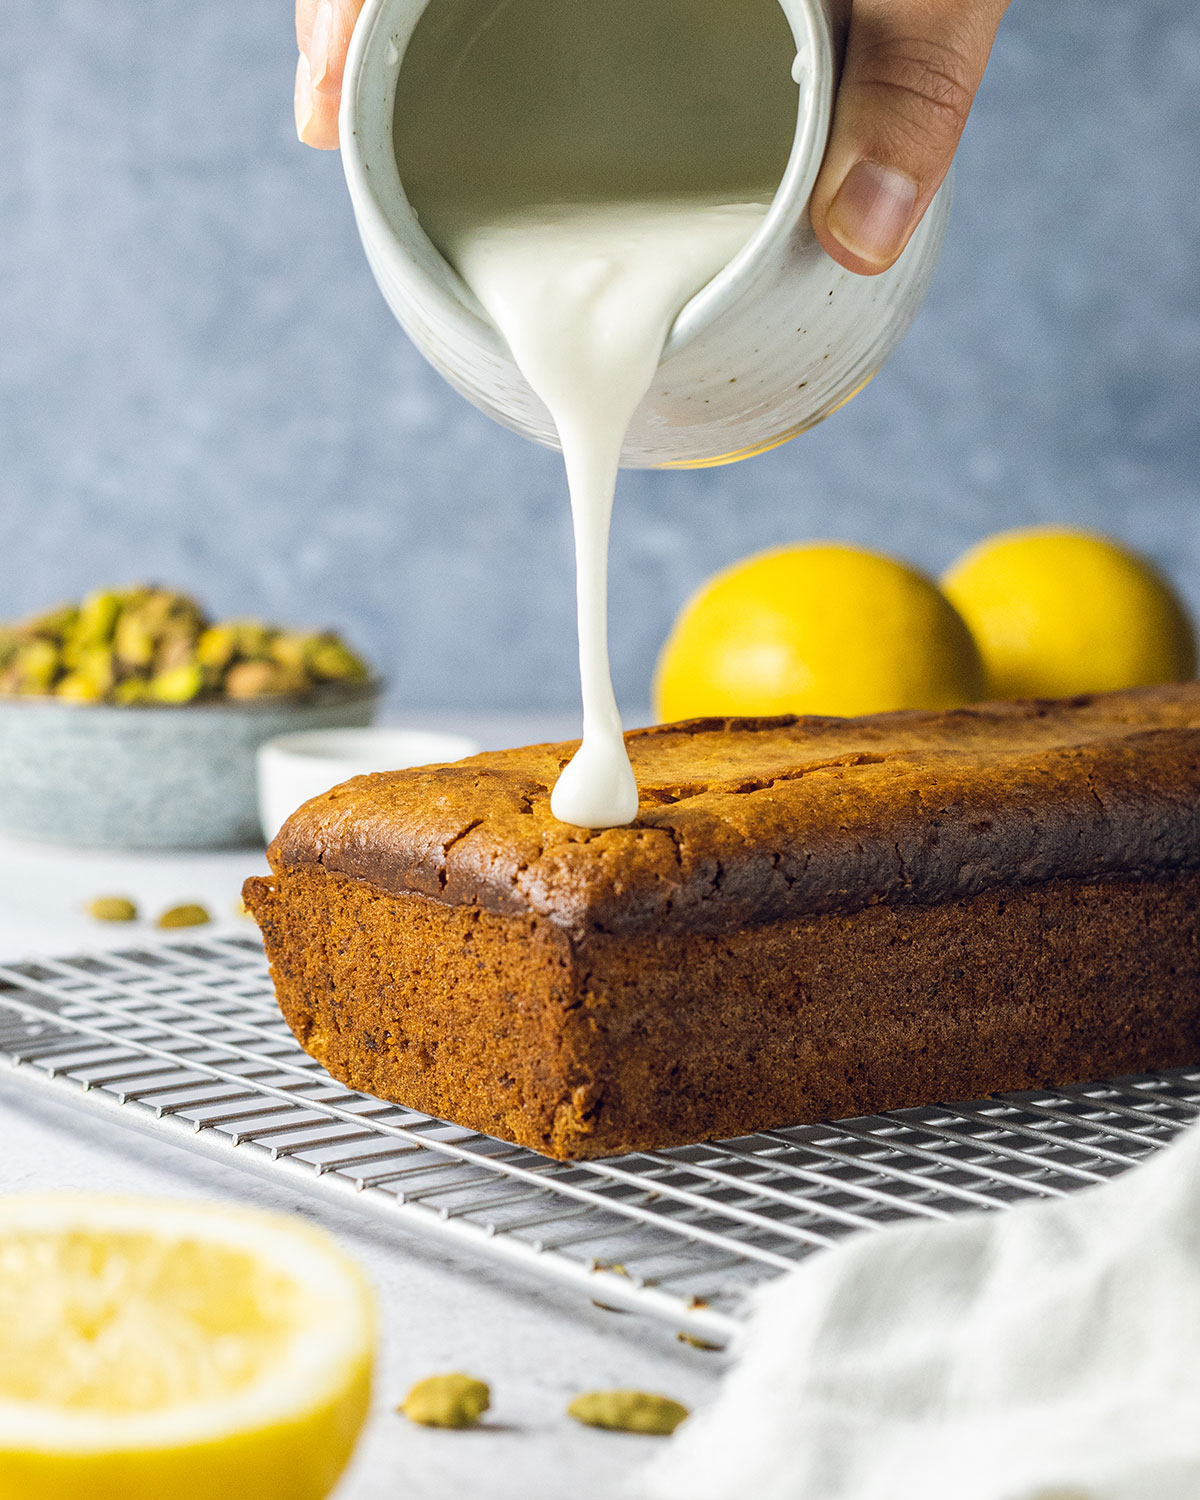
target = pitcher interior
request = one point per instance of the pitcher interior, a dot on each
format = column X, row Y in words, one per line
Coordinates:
column 518, row 102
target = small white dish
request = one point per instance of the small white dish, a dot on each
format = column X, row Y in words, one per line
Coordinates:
column 294, row 767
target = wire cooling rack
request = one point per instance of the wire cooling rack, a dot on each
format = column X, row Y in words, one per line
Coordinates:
column 184, row 1040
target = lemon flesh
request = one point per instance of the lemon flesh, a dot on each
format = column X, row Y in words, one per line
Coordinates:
column 1058, row 612
column 175, row 1350
column 816, row 629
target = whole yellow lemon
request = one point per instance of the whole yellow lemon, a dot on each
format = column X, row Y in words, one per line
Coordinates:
column 1057, row 612
column 821, row 628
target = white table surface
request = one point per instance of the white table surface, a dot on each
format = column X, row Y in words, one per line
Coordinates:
column 439, row 1311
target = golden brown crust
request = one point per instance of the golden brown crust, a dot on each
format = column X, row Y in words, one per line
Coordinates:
column 504, row 1025
column 751, row 822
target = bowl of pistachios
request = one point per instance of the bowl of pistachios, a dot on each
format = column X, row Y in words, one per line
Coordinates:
column 130, row 719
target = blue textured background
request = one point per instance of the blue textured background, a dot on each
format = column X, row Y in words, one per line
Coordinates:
column 200, row 384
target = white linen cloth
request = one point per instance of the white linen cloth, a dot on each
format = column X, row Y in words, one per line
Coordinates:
column 1049, row 1352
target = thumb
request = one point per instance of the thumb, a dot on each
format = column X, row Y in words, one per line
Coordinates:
column 908, row 82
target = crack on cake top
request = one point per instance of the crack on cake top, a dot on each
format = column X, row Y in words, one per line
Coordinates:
column 750, row 821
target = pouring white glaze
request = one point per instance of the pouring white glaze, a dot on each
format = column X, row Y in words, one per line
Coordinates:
column 585, row 295
column 587, row 172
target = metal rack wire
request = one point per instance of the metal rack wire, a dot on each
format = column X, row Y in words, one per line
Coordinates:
column 183, row 1040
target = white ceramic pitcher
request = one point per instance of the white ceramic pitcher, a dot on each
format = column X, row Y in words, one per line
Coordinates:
column 777, row 342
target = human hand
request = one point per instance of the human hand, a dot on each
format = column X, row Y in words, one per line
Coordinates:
column 909, row 78
column 908, row 82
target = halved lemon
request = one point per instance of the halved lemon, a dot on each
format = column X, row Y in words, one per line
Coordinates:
column 175, row 1350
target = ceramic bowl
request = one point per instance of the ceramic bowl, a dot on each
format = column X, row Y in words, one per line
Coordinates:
column 295, row 767
column 161, row 777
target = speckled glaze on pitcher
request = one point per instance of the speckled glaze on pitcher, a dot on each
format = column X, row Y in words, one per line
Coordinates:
column 777, row 342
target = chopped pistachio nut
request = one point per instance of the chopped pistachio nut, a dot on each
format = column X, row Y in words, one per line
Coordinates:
column 614, row 1268
column 177, row 685
column 191, row 914
column 336, row 663
column 698, row 1343
column 629, row 1411
column 133, row 641
column 97, row 617
column 292, row 648
column 176, row 648
column 161, row 610
column 77, row 687
column 253, row 639
column 263, row 679
column 112, row 909
column 447, row 1401
column 216, row 647
column 131, row 690
column 54, row 624
column 95, row 665
column 37, row 666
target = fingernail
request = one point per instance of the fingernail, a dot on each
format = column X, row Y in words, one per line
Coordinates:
column 303, row 96
column 872, row 211
column 318, row 44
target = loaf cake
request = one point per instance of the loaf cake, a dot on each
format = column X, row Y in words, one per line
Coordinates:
column 811, row 918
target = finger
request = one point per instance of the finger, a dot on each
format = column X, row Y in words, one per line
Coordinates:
column 333, row 25
column 305, row 11
column 316, row 113
column 910, row 75
column 323, row 31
